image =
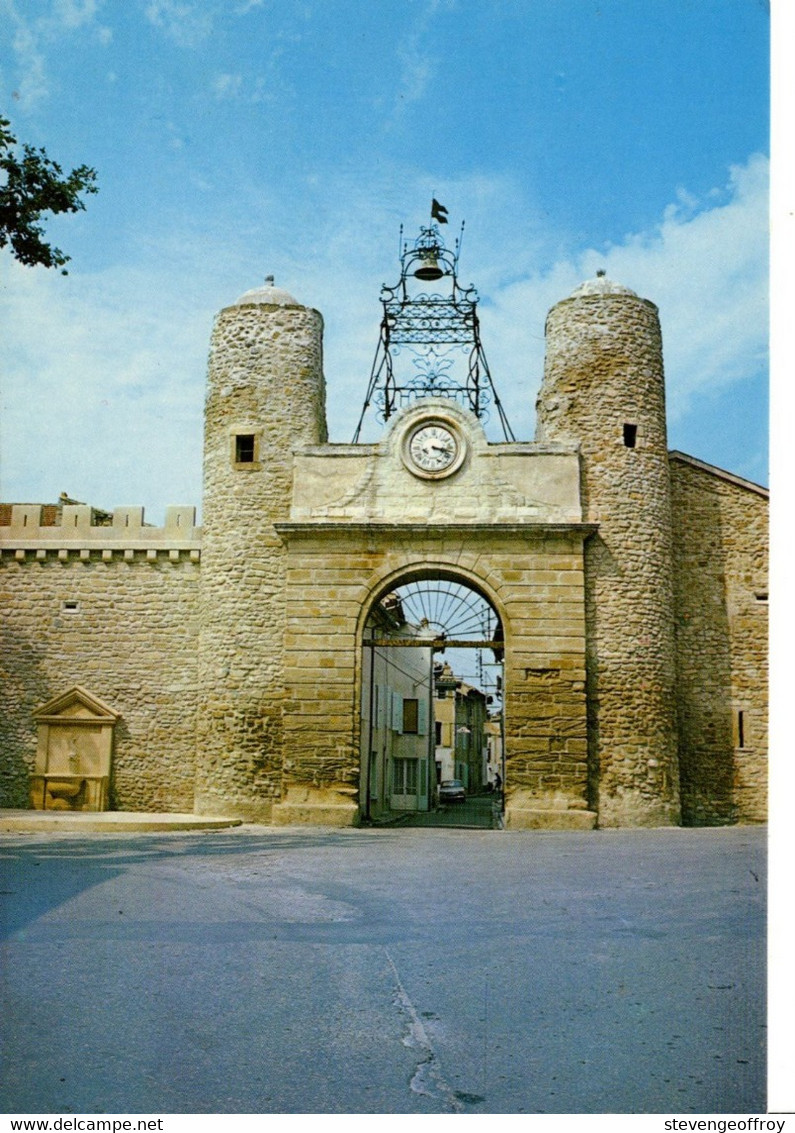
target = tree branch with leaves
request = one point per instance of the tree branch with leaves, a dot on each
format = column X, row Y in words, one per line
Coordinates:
column 32, row 184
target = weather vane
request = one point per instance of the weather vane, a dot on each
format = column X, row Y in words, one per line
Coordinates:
column 429, row 343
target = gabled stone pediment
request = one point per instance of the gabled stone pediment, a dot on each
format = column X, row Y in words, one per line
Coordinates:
column 73, row 757
column 76, row 703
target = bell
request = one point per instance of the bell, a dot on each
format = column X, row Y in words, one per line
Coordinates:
column 429, row 268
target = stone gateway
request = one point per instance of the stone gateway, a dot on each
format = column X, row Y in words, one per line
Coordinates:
column 230, row 662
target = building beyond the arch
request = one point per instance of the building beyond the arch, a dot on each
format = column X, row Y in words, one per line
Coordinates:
column 631, row 584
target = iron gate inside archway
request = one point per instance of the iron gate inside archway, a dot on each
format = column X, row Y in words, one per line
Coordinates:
column 432, row 706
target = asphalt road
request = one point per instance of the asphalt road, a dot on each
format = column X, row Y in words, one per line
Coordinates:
column 478, row 811
column 384, row 971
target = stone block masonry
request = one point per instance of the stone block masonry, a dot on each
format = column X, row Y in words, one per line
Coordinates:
column 334, row 576
column 630, row 589
column 114, row 609
column 721, row 577
column 603, row 389
column 265, row 384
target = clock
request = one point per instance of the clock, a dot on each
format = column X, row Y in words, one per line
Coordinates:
column 433, row 449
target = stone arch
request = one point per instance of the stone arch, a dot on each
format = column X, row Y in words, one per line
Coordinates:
column 421, row 570
column 534, row 582
column 421, row 720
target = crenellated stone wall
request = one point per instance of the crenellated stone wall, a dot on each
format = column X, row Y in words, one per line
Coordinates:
column 112, row 608
column 721, row 580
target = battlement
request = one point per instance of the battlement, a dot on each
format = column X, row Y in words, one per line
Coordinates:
column 31, row 531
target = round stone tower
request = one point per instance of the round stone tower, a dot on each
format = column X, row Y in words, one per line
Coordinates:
column 265, row 398
column 603, row 390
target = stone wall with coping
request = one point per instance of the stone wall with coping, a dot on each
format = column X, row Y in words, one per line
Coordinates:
column 112, row 608
column 721, row 581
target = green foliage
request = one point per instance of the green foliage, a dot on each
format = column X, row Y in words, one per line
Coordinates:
column 32, row 184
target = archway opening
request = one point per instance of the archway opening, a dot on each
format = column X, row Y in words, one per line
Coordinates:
column 432, row 722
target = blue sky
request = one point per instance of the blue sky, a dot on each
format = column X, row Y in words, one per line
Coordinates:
column 235, row 138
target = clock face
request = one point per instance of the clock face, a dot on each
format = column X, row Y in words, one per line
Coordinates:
column 434, row 449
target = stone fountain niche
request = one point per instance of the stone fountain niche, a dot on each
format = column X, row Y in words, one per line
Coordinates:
column 73, row 759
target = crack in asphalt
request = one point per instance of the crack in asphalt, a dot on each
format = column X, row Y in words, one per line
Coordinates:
column 428, row 1078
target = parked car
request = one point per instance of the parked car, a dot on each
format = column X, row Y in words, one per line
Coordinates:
column 452, row 791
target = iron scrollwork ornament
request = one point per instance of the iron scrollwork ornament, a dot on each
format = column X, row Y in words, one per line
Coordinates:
column 429, row 344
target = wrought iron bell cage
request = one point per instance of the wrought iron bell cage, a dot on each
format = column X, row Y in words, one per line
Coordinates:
column 429, row 343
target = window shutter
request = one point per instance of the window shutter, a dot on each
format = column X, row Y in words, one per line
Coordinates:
column 422, row 717
column 397, row 713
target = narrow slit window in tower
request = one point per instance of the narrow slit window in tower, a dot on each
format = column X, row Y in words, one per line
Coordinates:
column 740, row 729
column 244, row 448
column 630, row 434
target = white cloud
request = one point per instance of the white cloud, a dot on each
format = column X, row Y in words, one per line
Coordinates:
column 187, row 24
column 705, row 266
column 34, row 36
column 226, row 85
column 74, row 13
column 418, row 63
column 104, row 373
column 708, row 274
column 417, row 70
column 102, row 395
column 33, row 86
